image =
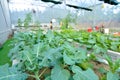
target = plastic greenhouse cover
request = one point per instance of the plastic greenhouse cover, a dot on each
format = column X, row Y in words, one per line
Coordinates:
column 82, row 3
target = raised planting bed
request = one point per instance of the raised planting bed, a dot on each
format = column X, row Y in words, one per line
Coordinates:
column 60, row 56
column 114, row 55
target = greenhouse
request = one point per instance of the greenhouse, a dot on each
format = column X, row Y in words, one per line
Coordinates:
column 59, row 39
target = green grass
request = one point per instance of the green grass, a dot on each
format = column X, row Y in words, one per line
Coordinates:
column 4, row 53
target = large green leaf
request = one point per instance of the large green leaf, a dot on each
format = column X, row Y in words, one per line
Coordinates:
column 11, row 73
column 113, row 76
column 27, row 55
column 68, row 47
column 50, row 55
column 81, row 54
column 83, row 75
column 98, row 49
column 92, row 41
column 102, row 38
column 67, row 59
column 58, row 73
column 49, row 35
column 39, row 49
column 39, row 35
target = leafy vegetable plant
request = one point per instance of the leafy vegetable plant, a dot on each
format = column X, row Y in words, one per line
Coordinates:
column 11, row 73
column 62, row 55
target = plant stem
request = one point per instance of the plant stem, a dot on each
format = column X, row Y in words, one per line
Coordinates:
column 37, row 75
column 43, row 72
column 32, row 76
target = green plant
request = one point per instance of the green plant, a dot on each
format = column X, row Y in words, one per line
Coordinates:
column 83, row 75
column 65, row 22
column 11, row 73
column 39, row 52
column 114, row 72
column 114, row 66
column 28, row 19
column 45, row 55
column 114, row 43
column 19, row 22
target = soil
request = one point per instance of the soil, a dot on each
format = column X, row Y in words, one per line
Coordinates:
column 46, row 72
column 97, row 66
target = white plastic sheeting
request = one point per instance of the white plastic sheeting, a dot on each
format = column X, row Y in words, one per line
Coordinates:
column 102, row 13
column 5, row 23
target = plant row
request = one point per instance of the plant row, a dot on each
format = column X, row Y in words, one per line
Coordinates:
column 64, row 55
